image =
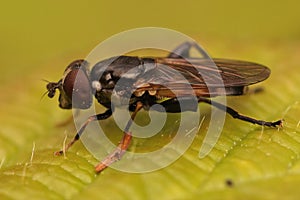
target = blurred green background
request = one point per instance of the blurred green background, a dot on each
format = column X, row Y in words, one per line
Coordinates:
column 35, row 33
column 39, row 38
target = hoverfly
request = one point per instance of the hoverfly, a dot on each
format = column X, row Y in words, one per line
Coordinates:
column 146, row 86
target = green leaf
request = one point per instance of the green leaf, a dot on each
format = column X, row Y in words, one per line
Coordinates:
column 248, row 161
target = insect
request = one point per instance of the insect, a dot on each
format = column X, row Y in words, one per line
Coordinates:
column 148, row 83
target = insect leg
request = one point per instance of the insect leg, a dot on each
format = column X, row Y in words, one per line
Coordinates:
column 122, row 147
column 101, row 116
column 236, row 115
column 183, row 50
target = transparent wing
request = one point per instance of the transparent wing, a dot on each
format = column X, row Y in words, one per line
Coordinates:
column 174, row 76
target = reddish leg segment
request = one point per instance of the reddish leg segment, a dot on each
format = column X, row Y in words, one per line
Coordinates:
column 116, row 154
column 122, row 147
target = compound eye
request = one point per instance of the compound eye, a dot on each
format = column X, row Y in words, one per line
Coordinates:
column 77, row 88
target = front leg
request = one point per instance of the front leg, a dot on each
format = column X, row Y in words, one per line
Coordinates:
column 101, row 116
